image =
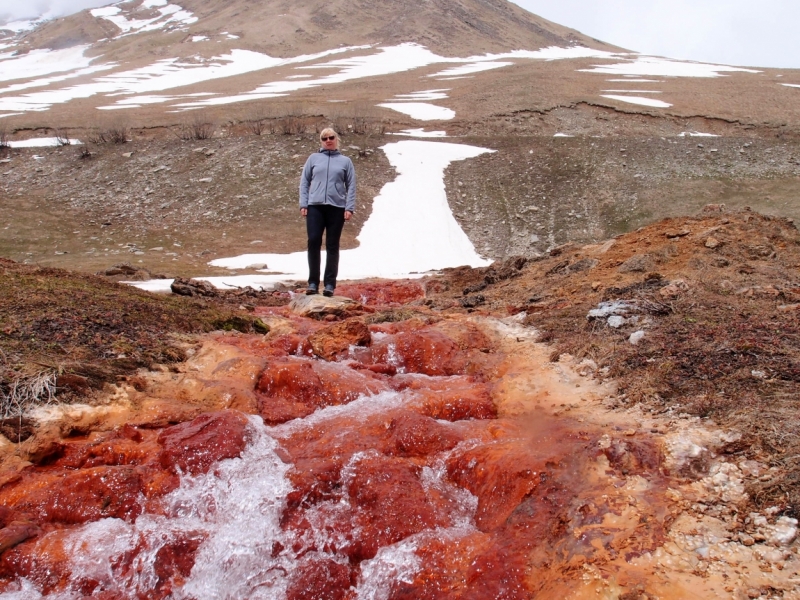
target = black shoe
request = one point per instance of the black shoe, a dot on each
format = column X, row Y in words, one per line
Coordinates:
column 312, row 290
column 328, row 291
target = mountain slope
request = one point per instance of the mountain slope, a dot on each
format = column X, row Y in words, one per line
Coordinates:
column 285, row 28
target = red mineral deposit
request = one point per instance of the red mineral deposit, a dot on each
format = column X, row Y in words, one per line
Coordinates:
column 383, row 293
column 194, row 446
column 334, row 342
column 385, row 444
column 292, row 387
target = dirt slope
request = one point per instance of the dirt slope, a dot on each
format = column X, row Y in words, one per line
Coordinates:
column 283, row 28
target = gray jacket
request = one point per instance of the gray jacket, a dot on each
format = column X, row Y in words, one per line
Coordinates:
column 328, row 178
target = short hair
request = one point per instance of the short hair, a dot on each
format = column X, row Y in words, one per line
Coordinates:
column 326, row 132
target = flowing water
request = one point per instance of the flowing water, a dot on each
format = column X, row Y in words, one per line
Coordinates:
column 436, row 462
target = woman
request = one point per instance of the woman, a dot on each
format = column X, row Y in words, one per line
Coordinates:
column 327, row 200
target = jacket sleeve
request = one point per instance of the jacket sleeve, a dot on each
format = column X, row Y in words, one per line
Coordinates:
column 350, row 176
column 305, row 183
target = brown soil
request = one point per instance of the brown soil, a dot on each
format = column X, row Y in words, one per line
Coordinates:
column 720, row 324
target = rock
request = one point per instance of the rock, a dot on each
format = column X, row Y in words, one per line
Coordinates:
column 606, row 309
column 291, row 387
column 712, row 243
column 616, row 321
column 122, row 269
column 419, row 435
column 636, row 337
column 747, row 540
column 334, row 342
column 318, row 306
column 789, row 307
column 472, row 301
column 16, row 533
column 783, row 532
column 127, row 154
column 586, row 367
column 201, row 149
column 677, row 234
column 317, row 574
column 194, row 446
column 391, row 504
column 205, row 180
column 382, row 293
column 192, row 287
column 507, row 269
column 673, row 289
column 638, row 263
column 478, row 287
column 583, row 264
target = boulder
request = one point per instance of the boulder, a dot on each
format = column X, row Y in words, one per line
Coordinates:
column 638, row 263
column 334, row 342
column 318, row 306
column 192, row 287
column 194, row 446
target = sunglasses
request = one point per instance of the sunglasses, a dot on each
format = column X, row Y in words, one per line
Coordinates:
column 326, row 139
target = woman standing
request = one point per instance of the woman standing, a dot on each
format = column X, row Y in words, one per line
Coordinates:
column 327, row 200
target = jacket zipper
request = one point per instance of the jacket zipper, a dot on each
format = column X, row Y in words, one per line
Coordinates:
column 327, row 178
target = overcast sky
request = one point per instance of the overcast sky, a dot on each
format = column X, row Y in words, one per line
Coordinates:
column 764, row 33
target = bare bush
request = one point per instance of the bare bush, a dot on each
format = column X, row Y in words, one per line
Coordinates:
column 96, row 136
column 258, row 122
column 25, row 392
column 200, row 127
column 4, row 141
column 62, row 137
column 359, row 118
column 116, row 132
column 84, row 152
column 292, row 125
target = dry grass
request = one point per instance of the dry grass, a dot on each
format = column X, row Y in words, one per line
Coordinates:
column 58, row 326
column 24, row 392
column 725, row 348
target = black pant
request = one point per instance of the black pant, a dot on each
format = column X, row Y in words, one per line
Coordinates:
column 323, row 217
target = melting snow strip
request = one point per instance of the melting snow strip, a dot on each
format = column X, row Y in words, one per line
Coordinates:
column 395, row 242
column 422, row 111
column 638, row 100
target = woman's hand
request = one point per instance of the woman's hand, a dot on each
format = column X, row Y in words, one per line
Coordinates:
column 347, row 215
column 304, row 212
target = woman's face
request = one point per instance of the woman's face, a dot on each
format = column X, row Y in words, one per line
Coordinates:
column 329, row 141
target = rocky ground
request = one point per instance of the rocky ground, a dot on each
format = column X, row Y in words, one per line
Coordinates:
column 171, row 205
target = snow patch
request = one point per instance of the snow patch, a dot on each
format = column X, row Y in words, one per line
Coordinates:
column 423, row 95
column 632, row 91
column 411, row 229
column 663, row 67
column 696, row 134
column 471, row 68
column 421, row 133
column 168, row 14
column 638, row 100
column 44, row 142
column 37, row 63
column 422, row 111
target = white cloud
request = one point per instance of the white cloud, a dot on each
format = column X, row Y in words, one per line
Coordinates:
column 734, row 32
